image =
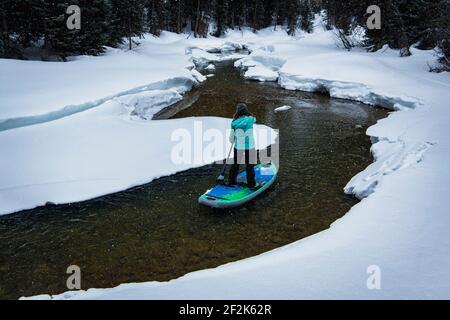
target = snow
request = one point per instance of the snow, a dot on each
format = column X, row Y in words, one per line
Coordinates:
column 32, row 88
column 198, row 76
column 147, row 103
column 261, row 73
column 261, row 65
column 401, row 225
column 283, row 108
column 203, row 58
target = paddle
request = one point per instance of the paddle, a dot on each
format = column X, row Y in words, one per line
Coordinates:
column 221, row 177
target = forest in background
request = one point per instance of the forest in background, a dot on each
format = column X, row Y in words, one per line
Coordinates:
column 41, row 24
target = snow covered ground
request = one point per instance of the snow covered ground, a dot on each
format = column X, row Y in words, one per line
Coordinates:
column 400, row 228
column 35, row 92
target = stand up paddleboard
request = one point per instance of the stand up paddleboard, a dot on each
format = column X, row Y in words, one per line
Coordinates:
column 223, row 196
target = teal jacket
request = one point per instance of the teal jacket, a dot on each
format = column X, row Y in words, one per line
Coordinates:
column 242, row 132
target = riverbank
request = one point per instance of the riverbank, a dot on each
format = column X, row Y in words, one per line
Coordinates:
column 401, row 227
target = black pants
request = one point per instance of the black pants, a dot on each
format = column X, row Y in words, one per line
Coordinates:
column 250, row 161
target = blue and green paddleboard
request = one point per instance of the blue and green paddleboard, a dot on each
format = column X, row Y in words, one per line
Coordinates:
column 224, row 196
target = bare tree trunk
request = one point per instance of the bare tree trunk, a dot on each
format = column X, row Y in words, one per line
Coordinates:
column 197, row 19
column 276, row 12
column 403, row 38
column 46, row 48
column 129, row 32
column 254, row 15
column 344, row 39
column 5, row 34
column 179, row 17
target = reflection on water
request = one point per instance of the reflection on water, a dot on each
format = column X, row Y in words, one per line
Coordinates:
column 158, row 232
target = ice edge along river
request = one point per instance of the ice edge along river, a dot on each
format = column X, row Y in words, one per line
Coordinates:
column 399, row 229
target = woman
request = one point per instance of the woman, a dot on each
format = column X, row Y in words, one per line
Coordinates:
column 244, row 145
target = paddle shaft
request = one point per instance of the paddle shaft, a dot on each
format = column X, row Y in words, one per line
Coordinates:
column 225, row 164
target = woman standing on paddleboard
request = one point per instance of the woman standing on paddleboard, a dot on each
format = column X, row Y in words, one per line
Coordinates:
column 244, row 145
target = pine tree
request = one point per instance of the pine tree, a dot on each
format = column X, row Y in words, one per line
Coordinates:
column 155, row 16
column 292, row 16
column 201, row 17
column 277, row 14
column 58, row 39
column 306, row 15
column 127, row 20
column 237, row 15
column 404, row 22
column 95, row 26
column 20, row 26
column 268, row 13
column 5, row 41
column 257, row 14
column 442, row 30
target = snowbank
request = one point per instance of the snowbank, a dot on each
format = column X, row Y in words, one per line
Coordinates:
column 146, row 104
column 31, row 88
column 261, row 65
column 34, row 92
column 347, row 90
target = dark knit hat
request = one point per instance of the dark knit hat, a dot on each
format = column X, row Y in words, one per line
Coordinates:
column 241, row 108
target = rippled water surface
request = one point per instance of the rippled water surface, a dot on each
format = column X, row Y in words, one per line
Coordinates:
column 159, row 232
